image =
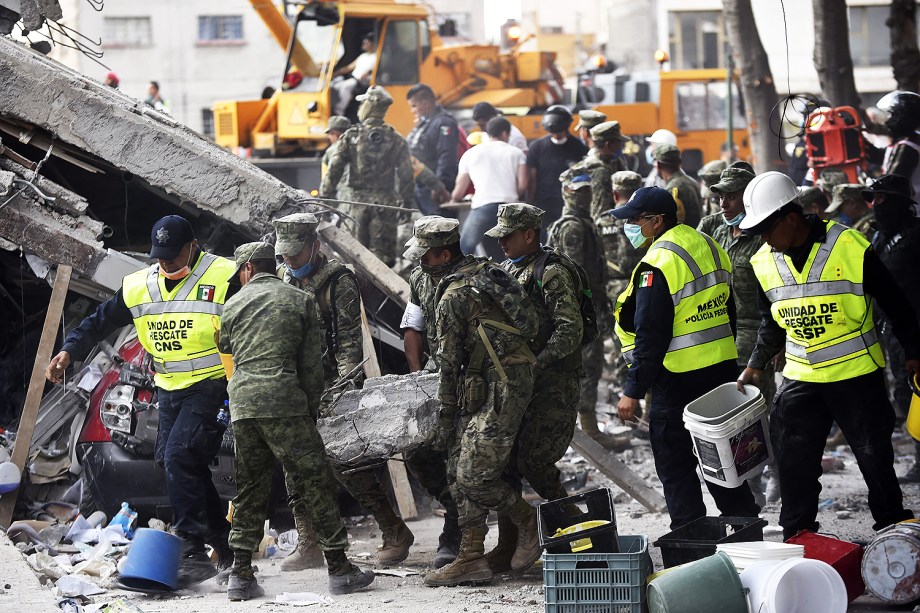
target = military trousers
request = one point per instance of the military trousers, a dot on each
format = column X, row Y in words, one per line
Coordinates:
column 546, row 431
column 483, row 445
column 296, row 443
column 363, row 485
column 376, row 227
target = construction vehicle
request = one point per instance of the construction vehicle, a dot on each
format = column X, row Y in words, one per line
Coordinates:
column 322, row 37
column 689, row 103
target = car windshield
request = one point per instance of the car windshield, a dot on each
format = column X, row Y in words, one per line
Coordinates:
column 312, row 55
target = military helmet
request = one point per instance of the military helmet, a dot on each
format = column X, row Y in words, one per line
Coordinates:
column 902, row 112
column 557, row 119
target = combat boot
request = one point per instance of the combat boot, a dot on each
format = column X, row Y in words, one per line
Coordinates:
column 470, row 566
column 306, row 554
column 396, row 542
column 528, row 548
column 241, row 587
column 588, row 423
column 448, row 542
column 499, row 557
column 345, row 577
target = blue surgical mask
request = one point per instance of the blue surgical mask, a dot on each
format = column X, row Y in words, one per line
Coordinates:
column 650, row 156
column 734, row 221
column 633, row 232
column 300, row 273
column 844, row 219
column 518, row 260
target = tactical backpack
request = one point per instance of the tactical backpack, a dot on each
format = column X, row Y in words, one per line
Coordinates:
column 327, row 306
column 590, row 330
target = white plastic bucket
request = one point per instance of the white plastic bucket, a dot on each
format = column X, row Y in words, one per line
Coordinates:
column 744, row 555
column 735, row 448
column 799, row 585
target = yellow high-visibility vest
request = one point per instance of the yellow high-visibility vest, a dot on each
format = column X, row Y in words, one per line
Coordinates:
column 830, row 334
column 175, row 327
column 698, row 273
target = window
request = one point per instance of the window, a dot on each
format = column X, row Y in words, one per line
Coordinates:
column 207, row 122
column 463, row 23
column 399, row 56
column 220, row 29
column 697, row 39
column 869, row 37
column 701, row 106
column 126, row 32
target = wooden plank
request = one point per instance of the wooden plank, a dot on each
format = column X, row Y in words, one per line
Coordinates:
column 396, row 467
column 366, row 263
column 616, row 470
column 36, row 386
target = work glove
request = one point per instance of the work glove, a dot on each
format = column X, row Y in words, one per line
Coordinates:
column 442, row 438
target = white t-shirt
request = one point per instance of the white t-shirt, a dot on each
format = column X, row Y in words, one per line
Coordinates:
column 364, row 65
column 493, row 169
column 515, row 137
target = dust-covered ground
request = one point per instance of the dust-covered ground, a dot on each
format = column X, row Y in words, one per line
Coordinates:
column 843, row 513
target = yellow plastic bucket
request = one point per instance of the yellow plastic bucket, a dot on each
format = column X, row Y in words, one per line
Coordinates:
column 585, row 543
column 913, row 416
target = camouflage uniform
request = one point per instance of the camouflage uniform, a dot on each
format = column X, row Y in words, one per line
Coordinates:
column 587, row 119
column 337, row 303
column 621, row 256
column 684, row 190
column 709, row 174
column 271, row 330
column 576, row 235
column 380, row 171
column 339, row 124
column 846, row 192
column 547, row 425
column 600, row 170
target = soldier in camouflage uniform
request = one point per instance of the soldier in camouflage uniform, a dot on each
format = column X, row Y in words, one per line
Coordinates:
column 576, row 235
column 850, row 208
column 828, row 178
column 587, row 119
column 621, row 256
column 549, row 421
column 709, row 174
column 684, row 190
column 271, row 330
column 338, row 312
column 483, row 318
column 379, row 171
column 740, row 247
column 604, row 159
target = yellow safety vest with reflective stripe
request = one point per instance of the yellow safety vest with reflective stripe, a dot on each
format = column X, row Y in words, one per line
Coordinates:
column 830, row 335
column 176, row 327
column 698, row 273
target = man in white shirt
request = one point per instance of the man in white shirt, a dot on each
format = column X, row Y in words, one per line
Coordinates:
column 483, row 112
column 357, row 72
column 498, row 172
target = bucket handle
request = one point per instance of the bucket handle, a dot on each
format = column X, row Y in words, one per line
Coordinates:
column 750, row 603
column 914, row 384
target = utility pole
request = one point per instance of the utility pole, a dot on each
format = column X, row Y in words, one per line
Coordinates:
column 729, row 104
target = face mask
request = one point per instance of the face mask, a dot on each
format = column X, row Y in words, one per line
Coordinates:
column 633, row 232
column 438, row 270
column 734, row 221
column 517, row 260
column 650, row 156
column 844, row 219
column 178, row 275
column 558, row 141
column 303, row 271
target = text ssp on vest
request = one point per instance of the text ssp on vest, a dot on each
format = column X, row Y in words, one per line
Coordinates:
column 809, row 321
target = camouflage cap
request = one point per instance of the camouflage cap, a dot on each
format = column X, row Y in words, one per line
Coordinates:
column 574, row 181
column 375, row 96
column 431, row 231
column 626, row 181
column 251, row 251
column 809, row 195
column 607, row 131
column 516, row 216
column 588, row 119
column 711, row 171
column 339, row 123
column 669, row 154
column 732, row 180
column 830, row 177
column 844, row 192
column 293, row 232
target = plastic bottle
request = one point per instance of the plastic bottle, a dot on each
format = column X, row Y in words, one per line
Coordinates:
column 223, row 417
column 125, row 518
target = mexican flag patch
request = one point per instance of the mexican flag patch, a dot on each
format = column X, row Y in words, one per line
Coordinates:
column 646, row 279
column 206, row 292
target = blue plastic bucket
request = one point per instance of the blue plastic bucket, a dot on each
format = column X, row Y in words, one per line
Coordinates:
column 152, row 564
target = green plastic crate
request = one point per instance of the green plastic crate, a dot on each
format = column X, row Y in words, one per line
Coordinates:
column 598, row 582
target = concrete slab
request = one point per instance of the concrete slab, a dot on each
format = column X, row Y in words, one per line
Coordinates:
column 21, row 590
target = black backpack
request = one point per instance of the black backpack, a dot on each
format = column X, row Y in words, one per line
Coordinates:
column 585, row 303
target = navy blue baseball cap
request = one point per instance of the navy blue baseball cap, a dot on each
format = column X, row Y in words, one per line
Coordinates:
column 646, row 201
column 168, row 236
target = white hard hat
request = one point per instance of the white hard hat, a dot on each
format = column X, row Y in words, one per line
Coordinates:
column 663, row 137
column 764, row 195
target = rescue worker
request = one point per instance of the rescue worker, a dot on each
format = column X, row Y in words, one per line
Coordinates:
column 604, row 159
column 897, row 244
column 683, row 189
column 902, row 118
column 483, row 321
column 658, row 137
column 428, row 465
column 816, row 280
column 379, row 172
column 813, row 201
column 576, row 236
column 338, row 313
column 270, row 328
column 849, row 208
column 709, row 175
column 685, row 278
column 549, row 420
column 335, row 128
column 434, row 141
column 172, row 304
column 828, row 179
column 587, row 119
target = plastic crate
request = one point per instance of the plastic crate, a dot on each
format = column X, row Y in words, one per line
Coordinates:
column 591, row 506
column 699, row 538
column 846, row 558
column 598, row 582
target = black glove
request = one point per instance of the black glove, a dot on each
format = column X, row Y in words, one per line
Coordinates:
column 442, row 438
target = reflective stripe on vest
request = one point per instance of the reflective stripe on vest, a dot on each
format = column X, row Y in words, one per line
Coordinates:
column 176, row 328
column 698, row 273
column 830, row 334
